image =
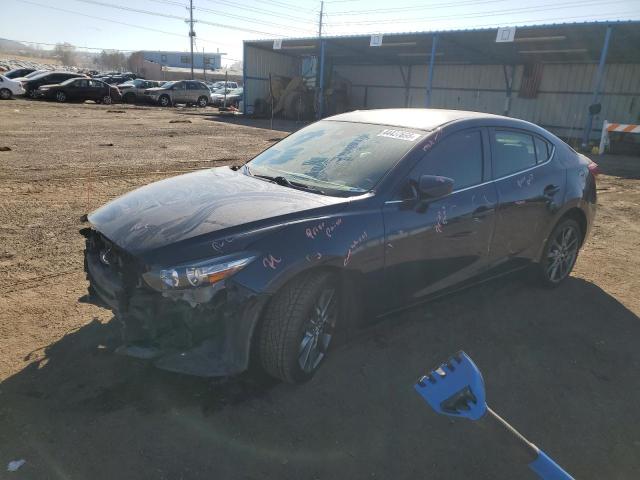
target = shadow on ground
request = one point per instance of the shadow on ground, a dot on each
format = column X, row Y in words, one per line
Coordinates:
column 561, row 365
column 625, row 166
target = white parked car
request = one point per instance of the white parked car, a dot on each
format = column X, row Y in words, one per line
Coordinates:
column 9, row 88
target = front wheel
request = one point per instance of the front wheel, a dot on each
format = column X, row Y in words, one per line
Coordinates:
column 298, row 326
column 164, row 101
column 61, row 97
column 107, row 100
column 560, row 253
column 202, row 102
column 33, row 93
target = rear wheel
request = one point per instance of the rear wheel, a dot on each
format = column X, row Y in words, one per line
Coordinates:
column 560, row 253
column 298, row 327
column 5, row 94
column 61, row 97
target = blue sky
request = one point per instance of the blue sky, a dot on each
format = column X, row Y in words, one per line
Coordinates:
column 159, row 24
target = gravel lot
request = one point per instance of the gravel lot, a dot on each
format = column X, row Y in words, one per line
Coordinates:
column 561, row 365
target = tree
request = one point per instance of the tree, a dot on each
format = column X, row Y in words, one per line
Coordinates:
column 66, row 53
column 112, row 60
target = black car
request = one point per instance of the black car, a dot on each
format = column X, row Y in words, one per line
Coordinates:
column 354, row 216
column 19, row 72
column 79, row 90
column 114, row 79
column 47, row 78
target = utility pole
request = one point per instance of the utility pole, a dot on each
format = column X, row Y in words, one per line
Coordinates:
column 320, row 65
column 204, row 67
column 191, row 33
column 320, row 20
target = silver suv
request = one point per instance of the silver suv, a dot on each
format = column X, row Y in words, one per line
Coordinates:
column 182, row 91
column 134, row 89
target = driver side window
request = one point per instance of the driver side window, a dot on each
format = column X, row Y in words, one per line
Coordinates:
column 459, row 156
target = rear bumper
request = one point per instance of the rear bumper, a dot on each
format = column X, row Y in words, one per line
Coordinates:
column 209, row 339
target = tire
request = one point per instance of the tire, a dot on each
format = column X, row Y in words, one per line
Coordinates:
column 61, row 97
column 202, row 101
column 164, row 101
column 106, row 100
column 129, row 98
column 560, row 254
column 294, row 336
column 5, row 94
column 33, row 93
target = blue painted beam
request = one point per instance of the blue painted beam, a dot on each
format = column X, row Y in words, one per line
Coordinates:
column 244, row 78
column 321, row 81
column 596, row 89
column 432, row 60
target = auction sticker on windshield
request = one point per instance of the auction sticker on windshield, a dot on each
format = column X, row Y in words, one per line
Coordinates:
column 399, row 134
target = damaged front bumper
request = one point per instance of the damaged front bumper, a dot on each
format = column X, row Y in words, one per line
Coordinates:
column 211, row 338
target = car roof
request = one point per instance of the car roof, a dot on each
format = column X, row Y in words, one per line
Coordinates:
column 418, row 118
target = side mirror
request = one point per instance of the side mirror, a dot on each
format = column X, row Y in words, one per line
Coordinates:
column 434, row 186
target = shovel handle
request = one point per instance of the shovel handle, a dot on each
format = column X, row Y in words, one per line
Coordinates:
column 538, row 461
column 547, row 469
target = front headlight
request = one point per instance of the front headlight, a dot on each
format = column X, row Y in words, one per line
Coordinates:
column 197, row 274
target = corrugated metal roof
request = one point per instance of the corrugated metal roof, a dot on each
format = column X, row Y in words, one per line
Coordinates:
column 578, row 42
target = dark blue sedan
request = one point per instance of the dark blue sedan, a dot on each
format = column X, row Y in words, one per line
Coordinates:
column 350, row 218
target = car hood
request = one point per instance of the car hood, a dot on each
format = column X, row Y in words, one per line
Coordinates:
column 156, row 89
column 200, row 203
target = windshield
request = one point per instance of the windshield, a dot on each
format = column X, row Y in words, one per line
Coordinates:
column 341, row 158
column 168, row 84
column 35, row 74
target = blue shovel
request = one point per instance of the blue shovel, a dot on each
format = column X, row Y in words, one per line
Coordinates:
column 456, row 388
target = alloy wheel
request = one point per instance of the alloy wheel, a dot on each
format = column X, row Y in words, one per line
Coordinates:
column 61, row 97
column 318, row 331
column 5, row 94
column 562, row 253
column 106, row 100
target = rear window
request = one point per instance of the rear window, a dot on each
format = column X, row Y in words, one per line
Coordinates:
column 543, row 150
column 512, row 152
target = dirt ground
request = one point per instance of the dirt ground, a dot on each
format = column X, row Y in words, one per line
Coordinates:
column 561, row 365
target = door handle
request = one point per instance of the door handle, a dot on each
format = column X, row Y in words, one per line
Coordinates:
column 551, row 190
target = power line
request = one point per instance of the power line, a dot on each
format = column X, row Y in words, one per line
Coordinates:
column 493, row 13
column 101, row 18
column 531, row 22
column 130, row 9
column 176, row 17
column 156, row 30
column 251, row 20
column 285, row 5
column 414, row 8
column 260, row 10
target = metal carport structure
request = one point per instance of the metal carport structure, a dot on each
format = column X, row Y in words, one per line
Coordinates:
column 548, row 74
